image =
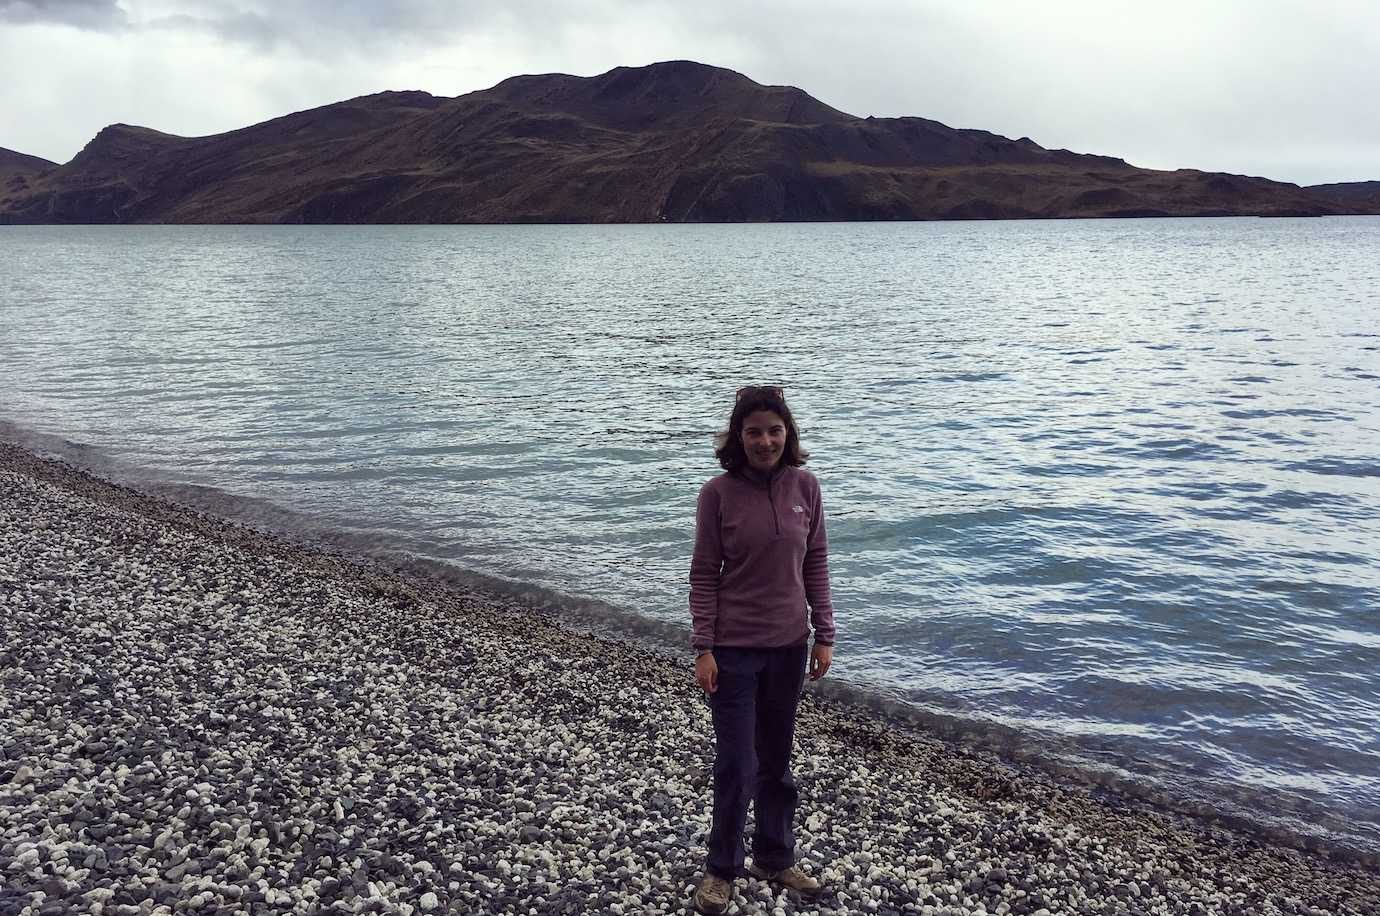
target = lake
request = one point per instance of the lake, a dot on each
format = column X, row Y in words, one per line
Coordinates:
column 1101, row 494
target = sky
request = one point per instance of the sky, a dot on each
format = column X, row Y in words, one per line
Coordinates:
column 1285, row 89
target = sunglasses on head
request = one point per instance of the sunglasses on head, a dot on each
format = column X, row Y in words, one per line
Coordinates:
column 771, row 391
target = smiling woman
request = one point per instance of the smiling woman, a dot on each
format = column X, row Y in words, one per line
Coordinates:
column 759, row 581
column 760, row 431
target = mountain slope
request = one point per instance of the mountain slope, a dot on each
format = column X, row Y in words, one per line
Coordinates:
column 675, row 141
column 1363, row 194
column 17, row 169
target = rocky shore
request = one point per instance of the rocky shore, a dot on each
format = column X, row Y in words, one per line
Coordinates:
column 199, row 717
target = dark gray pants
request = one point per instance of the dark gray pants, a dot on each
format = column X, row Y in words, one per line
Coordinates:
column 754, row 726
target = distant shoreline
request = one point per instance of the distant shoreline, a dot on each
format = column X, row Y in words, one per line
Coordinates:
column 643, row 223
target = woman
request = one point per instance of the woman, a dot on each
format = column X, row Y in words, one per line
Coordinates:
column 760, row 558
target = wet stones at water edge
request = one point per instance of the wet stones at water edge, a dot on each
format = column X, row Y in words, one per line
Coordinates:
column 198, row 718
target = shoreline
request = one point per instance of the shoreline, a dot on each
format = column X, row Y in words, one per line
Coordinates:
column 253, row 724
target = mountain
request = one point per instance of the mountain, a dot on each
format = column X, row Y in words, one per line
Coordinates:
column 16, row 170
column 1362, row 194
column 674, row 141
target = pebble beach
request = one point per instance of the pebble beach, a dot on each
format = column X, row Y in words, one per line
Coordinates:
column 201, row 717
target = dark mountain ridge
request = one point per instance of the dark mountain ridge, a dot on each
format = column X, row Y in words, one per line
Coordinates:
column 674, row 141
column 664, row 94
column 1363, row 194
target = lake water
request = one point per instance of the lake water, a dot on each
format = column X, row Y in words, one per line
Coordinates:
column 1099, row 492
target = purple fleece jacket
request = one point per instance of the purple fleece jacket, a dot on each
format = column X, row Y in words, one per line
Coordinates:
column 761, row 556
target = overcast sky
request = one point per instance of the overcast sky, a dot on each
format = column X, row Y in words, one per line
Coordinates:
column 1288, row 89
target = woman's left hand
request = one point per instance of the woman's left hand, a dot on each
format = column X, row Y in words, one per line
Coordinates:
column 821, row 657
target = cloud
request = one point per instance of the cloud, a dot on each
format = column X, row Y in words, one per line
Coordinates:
column 82, row 14
column 322, row 28
column 1259, row 88
column 328, row 30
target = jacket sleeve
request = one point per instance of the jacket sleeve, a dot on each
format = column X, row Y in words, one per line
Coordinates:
column 816, row 574
column 705, row 566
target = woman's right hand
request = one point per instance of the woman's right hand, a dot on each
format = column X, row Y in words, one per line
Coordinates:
column 707, row 672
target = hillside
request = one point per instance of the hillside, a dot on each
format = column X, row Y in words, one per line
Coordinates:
column 1362, row 194
column 675, row 141
column 17, row 169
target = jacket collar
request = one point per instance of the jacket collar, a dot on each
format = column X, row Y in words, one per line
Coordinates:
column 758, row 479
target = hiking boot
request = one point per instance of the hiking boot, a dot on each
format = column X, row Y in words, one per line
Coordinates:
column 712, row 895
column 792, row 879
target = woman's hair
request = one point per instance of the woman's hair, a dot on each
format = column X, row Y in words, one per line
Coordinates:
column 728, row 445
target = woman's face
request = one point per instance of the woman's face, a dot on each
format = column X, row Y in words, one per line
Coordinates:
column 764, row 439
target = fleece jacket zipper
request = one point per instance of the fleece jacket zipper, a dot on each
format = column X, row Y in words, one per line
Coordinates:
column 771, row 500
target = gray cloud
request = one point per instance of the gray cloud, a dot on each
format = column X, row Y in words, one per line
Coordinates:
column 83, row 14
column 331, row 29
column 322, row 26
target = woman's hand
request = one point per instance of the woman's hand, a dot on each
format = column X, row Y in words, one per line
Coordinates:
column 821, row 657
column 707, row 672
